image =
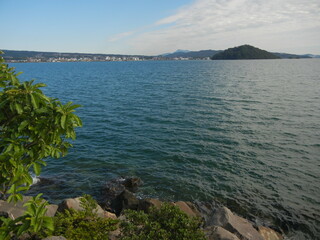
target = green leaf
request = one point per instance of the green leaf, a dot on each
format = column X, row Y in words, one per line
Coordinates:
column 23, row 125
column 48, row 223
column 18, row 108
column 22, row 189
column 37, row 168
column 14, row 80
column 74, row 106
column 63, row 121
column 8, row 149
column 28, row 179
column 34, row 101
column 10, row 198
column 23, row 228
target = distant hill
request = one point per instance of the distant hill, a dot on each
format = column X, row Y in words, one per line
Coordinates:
column 209, row 53
column 288, row 55
column 244, row 52
column 312, row 55
column 176, row 52
column 191, row 54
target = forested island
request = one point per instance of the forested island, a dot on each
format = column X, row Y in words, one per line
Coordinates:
column 244, row 52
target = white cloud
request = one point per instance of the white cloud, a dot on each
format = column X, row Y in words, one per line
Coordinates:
column 218, row 24
column 120, row 36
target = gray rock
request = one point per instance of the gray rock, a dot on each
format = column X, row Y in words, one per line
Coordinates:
column 51, row 210
column 145, row 204
column 55, row 238
column 132, row 184
column 219, row 233
column 269, row 234
column 114, row 235
column 239, row 226
column 14, row 211
column 70, row 203
column 206, row 210
column 125, row 200
column 24, row 236
column 115, row 187
column 188, row 208
column 4, row 214
column 75, row 203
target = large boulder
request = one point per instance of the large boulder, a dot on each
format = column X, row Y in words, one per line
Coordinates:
column 269, row 234
column 132, row 183
column 206, row 210
column 75, row 203
column 188, row 208
column 4, row 214
column 115, row 187
column 239, row 226
column 55, row 238
column 114, row 235
column 219, row 233
column 51, row 210
column 125, row 200
column 15, row 210
column 147, row 203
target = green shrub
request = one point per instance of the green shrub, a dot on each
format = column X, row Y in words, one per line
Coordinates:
column 32, row 128
column 85, row 224
column 166, row 223
column 32, row 222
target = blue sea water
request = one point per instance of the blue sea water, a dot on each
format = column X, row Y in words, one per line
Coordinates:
column 245, row 133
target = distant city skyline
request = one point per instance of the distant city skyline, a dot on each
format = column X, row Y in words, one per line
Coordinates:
column 147, row 27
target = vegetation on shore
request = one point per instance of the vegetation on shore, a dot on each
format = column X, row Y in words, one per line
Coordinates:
column 32, row 128
column 166, row 222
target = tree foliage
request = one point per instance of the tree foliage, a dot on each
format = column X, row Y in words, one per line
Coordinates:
column 166, row 223
column 32, row 128
column 244, row 52
column 85, row 224
column 32, row 221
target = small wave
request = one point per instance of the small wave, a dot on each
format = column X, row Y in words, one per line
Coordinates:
column 35, row 180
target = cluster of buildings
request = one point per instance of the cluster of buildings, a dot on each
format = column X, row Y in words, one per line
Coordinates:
column 93, row 58
column 78, row 59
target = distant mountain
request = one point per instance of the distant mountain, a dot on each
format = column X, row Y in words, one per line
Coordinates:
column 312, row 55
column 176, row 52
column 244, row 52
column 182, row 51
column 191, row 54
column 288, row 55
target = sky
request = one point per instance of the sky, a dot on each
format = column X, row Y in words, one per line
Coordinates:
column 153, row 27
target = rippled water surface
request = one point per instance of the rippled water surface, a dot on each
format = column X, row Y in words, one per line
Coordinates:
column 245, row 133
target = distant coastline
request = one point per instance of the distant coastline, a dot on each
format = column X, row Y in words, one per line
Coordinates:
column 14, row 56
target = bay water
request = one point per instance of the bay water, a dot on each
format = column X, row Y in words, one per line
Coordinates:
column 244, row 133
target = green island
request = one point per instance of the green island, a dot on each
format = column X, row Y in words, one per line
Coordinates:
column 244, row 52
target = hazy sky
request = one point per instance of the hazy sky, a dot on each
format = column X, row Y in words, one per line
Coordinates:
column 154, row 27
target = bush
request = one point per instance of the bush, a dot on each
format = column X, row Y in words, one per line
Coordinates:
column 85, row 224
column 32, row 128
column 166, row 223
column 32, row 222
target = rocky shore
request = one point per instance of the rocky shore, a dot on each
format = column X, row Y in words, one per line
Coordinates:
column 219, row 222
